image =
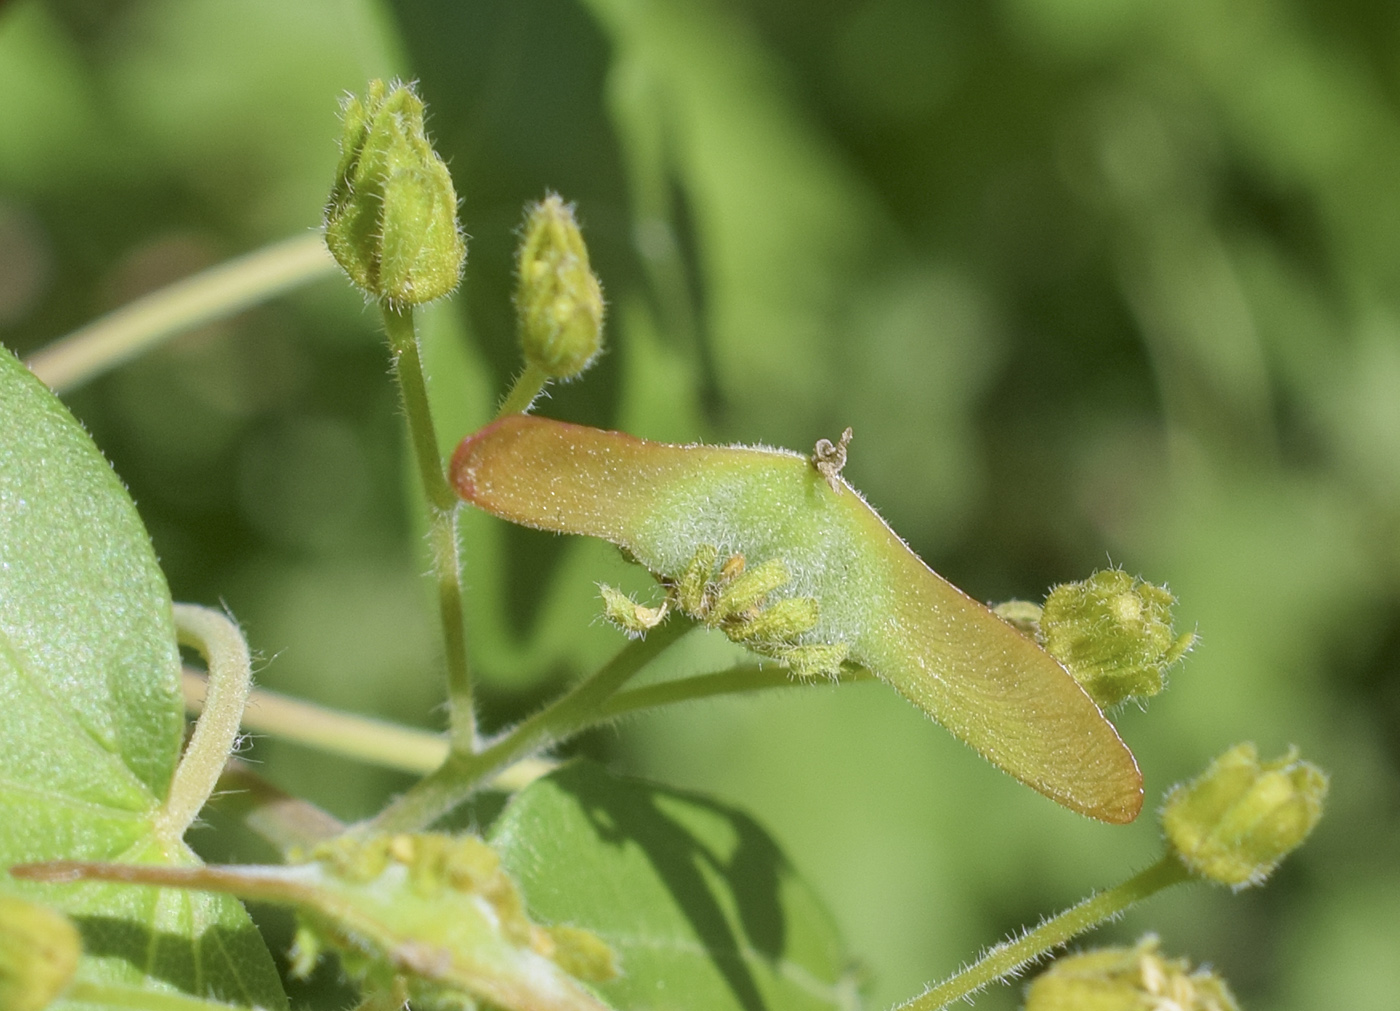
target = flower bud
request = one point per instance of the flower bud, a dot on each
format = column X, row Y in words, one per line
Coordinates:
column 748, row 590
column 1127, row 979
column 776, row 625
column 1113, row 632
column 634, row 619
column 391, row 221
column 39, row 951
column 815, row 660
column 1239, row 818
column 558, row 300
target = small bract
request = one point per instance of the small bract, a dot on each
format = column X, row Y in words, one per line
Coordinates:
column 558, row 298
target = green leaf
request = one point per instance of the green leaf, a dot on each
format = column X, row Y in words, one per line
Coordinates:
column 696, row 898
column 90, row 711
column 429, row 916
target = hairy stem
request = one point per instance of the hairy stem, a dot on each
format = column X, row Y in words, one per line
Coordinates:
column 378, row 742
column 193, row 301
column 409, row 749
column 1006, row 958
column 413, row 389
column 230, row 676
column 442, row 521
column 529, row 385
column 462, row 774
column 735, row 681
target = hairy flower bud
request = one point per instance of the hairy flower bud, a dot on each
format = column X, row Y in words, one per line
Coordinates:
column 634, row 619
column 1113, row 632
column 391, row 220
column 558, row 300
column 39, row 951
column 1127, row 979
column 1236, row 821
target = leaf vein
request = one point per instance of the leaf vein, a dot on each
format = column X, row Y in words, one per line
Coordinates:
column 106, row 810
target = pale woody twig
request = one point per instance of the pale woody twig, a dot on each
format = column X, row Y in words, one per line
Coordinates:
column 212, row 294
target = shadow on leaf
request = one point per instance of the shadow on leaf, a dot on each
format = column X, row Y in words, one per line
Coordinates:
column 209, row 966
column 690, row 841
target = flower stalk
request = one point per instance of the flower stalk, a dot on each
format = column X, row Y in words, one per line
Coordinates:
column 1007, row 958
column 463, row 773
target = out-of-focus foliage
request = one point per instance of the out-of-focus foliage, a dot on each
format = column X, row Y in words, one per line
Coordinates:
column 1086, row 277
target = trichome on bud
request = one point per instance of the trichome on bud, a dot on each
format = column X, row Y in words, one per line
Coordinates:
column 391, row 220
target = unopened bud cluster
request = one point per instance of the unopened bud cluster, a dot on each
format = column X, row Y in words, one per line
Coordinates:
column 39, row 952
column 1235, row 822
column 391, row 220
column 558, row 299
column 736, row 599
column 1113, row 632
column 1127, row 979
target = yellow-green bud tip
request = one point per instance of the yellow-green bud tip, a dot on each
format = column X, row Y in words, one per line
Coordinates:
column 39, row 951
column 1235, row 822
column 632, row 618
column 1113, row 632
column 558, row 300
column 1127, row 979
column 391, row 220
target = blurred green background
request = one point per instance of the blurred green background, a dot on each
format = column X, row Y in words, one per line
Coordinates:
column 1092, row 280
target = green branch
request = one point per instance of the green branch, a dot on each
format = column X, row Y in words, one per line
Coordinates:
column 463, row 773
column 409, row 749
column 212, row 294
column 1005, row 959
column 364, row 738
column 442, row 520
column 524, row 391
column 735, row 681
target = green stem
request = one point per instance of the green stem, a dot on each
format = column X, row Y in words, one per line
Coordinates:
column 527, row 387
column 736, row 681
column 1006, row 958
column 413, row 388
column 230, row 677
column 409, row 749
column 442, row 521
column 447, row 568
column 212, row 294
column 462, row 774
column 364, row 738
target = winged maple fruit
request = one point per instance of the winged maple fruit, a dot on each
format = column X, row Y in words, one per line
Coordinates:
column 862, row 596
